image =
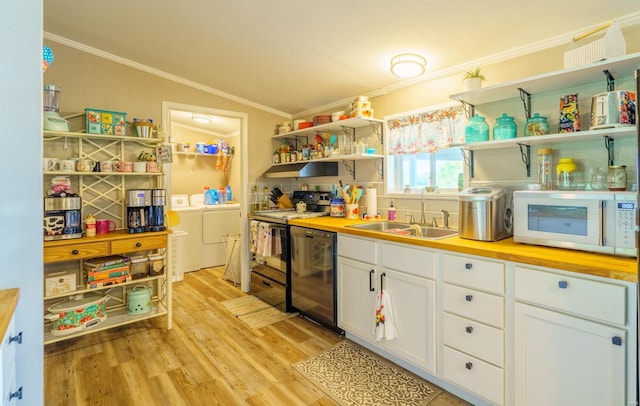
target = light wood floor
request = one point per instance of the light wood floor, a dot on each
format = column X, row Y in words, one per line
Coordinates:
column 208, row 358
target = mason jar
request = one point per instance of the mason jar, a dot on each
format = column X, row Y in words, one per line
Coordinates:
column 566, row 174
column 536, row 125
column 505, row 128
column 617, row 178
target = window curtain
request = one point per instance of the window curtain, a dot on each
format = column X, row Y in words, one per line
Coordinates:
column 427, row 131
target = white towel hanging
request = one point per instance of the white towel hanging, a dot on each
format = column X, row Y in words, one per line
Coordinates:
column 385, row 326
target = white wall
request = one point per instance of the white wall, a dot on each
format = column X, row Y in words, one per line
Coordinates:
column 21, row 182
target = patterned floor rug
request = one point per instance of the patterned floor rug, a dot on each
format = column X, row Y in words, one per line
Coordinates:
column 255, row 312
column 352, row 375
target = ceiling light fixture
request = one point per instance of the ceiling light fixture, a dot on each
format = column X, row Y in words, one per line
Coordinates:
column 408, row 65
column 200, row 118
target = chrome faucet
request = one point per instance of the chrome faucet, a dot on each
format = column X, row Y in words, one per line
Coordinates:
column 412, row 220
column 445, row 218
column 434, row 222
column 423, row 219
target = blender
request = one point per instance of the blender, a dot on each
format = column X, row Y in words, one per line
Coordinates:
column 51, row 104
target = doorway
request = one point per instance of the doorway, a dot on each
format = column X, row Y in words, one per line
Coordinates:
column 188, row 124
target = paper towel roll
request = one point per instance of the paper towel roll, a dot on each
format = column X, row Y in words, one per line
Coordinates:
column 372, row 202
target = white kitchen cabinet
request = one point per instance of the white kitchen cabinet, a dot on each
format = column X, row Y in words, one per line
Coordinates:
column 407, row 275
column 565, row 352
column 473, row 322
column 11, row 393
column 364, row 267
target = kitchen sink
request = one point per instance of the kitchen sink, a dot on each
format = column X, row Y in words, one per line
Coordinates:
column 413, row 230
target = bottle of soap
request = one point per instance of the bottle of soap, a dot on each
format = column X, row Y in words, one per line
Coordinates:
column 265, row 199
column 391, row 214
column 255, row 200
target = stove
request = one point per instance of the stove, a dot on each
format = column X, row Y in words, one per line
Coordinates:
column 318, row 205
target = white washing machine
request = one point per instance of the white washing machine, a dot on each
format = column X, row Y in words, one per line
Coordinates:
column 218, row 221
column 191, row 222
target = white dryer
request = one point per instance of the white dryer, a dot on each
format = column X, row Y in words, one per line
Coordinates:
column 218, row 221
column 191, row 222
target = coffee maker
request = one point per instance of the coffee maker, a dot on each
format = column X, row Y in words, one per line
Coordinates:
column 62, row 217
column 156, row 210
column 138, row 205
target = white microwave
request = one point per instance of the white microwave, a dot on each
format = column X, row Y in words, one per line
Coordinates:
column 603, row 222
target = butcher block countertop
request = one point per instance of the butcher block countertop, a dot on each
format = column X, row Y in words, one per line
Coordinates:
column 8, row 303
column 507, row 250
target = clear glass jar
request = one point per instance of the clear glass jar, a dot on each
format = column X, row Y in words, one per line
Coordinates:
column 566, row 174
column 617, row 178
column 544, row 168
column 477, row 129
column 505, row 128
column 536, row 125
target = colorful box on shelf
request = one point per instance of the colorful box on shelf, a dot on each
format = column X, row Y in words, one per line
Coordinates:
column 105, row 122
column 366, row 113
column 59, row 282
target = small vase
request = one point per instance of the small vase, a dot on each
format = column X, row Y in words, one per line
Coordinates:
column 472, row 84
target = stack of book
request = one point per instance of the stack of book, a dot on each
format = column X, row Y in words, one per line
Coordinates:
column 106, row 271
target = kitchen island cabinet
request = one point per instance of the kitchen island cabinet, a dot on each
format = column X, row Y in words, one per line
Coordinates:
column 68, row 255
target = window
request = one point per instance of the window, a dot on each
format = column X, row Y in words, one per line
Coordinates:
column 441, row 168
column 419, row 151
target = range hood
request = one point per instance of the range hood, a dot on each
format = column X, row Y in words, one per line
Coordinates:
column 302, row 170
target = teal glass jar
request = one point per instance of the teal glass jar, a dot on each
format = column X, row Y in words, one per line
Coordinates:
column 505, row 128
column 536, row 125
column 477, row 129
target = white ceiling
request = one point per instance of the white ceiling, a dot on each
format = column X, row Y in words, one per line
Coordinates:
column 294, row 56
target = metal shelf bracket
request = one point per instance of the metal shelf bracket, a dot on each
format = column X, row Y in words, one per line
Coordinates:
column 608, row 144
column 526, row 102
column 468, row 160
column 611, row 82
column 468, row 108
column 526, row 158
column 350, row 168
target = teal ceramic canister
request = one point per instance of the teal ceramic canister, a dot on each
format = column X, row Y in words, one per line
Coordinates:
column 505, row 128
column 477, row 129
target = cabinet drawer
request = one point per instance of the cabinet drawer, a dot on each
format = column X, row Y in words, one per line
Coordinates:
column 474, row 273
column 413, row 261
column 474, row 374
column 138, row 243
column 474, row 338
column 598, row 300
column 360, row 249
column 473, row 304
column 75, row 251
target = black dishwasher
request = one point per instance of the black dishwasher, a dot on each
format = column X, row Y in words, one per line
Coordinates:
column 313, row 275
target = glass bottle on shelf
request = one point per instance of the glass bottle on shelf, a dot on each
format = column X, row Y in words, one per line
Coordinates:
column 265, row 199
column 255, row 200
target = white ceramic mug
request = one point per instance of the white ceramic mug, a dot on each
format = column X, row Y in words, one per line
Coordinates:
column 106, row 166
column 152, row 167
column 50, row 164
column 140, row 167
column 85, row 165
column 68, row 165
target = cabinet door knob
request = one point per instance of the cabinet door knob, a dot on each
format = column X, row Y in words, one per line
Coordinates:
column 138, row 244
column 468, row 265
column 469, row 329
column 16, row 338
column 17, row 394
column 75, row 252
column 468, row 298
column 615, row 340
column 468, row 365
column 563, row 284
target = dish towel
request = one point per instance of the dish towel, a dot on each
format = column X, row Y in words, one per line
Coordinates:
column 264, row 240
column 385, row 327
column 253, row 227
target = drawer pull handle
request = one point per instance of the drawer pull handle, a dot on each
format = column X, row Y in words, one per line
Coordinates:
column 468, row 265
column 469, row 329
column 17, row 394
column 468, row 365
column 615, row 340
column 563, row 284
column 468, row 298
column 16, row 338
column 75, row 252
column 138, row 244
column 371, row 288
